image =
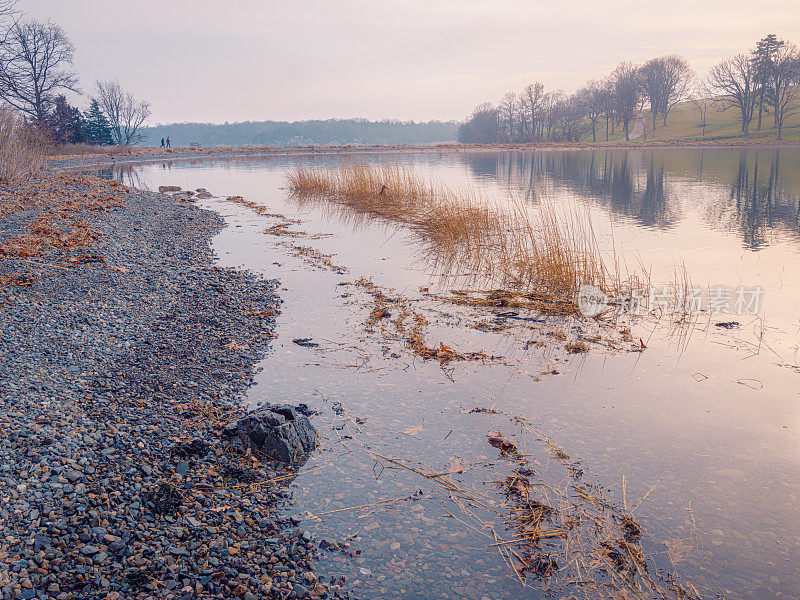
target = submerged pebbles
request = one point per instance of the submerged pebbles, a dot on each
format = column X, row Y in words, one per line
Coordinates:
column 115, row 378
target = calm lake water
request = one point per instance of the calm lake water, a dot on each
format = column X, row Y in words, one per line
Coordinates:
column 700, row 432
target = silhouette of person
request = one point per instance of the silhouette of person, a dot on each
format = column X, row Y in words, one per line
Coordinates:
column 162, row 142
column 168, row 144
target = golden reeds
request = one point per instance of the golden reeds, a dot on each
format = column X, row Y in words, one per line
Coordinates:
column 21, row 148
column 529, row 249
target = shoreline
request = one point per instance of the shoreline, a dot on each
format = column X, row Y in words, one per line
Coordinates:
column 126, row 350
column 181, row 242
column 151, row 155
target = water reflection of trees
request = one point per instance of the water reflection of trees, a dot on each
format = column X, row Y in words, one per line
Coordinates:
column 650, row 187
column 760, row 204
column 629, row 184
column 126, row 174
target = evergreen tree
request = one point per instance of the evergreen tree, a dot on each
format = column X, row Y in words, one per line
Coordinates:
column 66, row 123
column 763, row 60
column 98, row 129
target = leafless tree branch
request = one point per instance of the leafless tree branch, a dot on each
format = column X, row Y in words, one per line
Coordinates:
column 36, row 65
column 125, row 113
column 734, row 82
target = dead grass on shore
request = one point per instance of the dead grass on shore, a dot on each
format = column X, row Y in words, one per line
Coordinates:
column 541, row 250
column 84, row 149
column 21, row 149
column 63, row 203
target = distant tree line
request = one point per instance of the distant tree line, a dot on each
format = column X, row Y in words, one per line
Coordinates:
column 765, row 79
column 36, row 73
column 304, row 133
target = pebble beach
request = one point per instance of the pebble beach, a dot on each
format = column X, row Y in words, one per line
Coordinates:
column 125, row 352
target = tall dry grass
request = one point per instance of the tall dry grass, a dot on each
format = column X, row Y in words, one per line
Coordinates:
column 82, row 149
column 541, row 249
column 21, row 148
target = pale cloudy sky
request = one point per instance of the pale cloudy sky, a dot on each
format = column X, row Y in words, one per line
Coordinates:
column 236, row 60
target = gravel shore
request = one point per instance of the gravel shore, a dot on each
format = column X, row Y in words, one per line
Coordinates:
column 125, row 350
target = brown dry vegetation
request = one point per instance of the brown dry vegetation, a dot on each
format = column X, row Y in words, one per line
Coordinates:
column 397, row 320
column 541, row 250
column 557, row 533
column 83, row 149
column 21, row 149
column 63, row 203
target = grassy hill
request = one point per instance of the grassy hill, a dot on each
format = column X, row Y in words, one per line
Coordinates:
column 684, row 123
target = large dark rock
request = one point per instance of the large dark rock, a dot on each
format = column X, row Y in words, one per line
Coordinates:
column 279, row 432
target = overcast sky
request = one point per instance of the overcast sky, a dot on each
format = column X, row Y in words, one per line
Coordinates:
column 237, row 60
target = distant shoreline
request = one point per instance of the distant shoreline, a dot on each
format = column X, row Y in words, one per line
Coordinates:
column 139, row 155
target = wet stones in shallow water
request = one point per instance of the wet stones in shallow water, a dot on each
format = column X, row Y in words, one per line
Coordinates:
column 279, row 432
column 187, row 196
column 305, row 410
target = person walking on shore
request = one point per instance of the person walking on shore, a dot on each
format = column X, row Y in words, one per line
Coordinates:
column 162, row 142
column 168, row 144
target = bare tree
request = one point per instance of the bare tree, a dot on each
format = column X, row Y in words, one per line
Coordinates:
column 702, row 101
column 783, row 84
column 532, row 100
column 551, row 103
column 652, row 79
column 734, row 81
column 677, row 85
column 666, row 81
column 508, row 115
column 627, row 87
column 124, row 112
column 608, row 103
column 523, row 117
column 8, row 15
column 481, row 127
column 570, row 118
column 592, row 98
column 35, row 66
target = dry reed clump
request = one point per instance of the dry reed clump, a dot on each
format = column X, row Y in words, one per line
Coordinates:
column 542, row 251
column 408, row 327
column 511, row 300
column 21, row 148
column 316, row 258
column 573, row 538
